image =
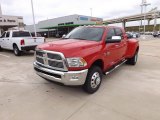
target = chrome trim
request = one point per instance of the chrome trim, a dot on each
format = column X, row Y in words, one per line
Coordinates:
column 46, row 59
column 123, row 61
column 66, row 77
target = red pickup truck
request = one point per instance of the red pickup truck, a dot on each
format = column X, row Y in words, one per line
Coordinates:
column 84, row 55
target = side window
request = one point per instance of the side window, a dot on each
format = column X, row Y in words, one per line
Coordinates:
column 110, row 33
column 118, row 32
column 7, row 34
column 3, row 35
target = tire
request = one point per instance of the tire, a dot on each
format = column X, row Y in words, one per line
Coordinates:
column 17, row 52
column 133, row 60
column 0, row 48
column 93, row 80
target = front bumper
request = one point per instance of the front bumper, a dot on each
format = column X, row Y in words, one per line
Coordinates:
column 28, row 47
column 66, row 78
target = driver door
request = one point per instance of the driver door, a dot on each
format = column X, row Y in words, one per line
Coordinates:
column 2, row 40
column 110, row 50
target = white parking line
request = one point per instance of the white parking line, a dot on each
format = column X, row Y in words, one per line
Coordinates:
column 5, row 55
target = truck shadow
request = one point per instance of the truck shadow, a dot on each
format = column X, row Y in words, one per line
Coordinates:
column 78, row 91
column 24, row 53
column 28, row 53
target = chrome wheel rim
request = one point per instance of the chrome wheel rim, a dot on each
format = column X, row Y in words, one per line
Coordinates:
column 15, row 50
column 95, row 80
column 135, row 58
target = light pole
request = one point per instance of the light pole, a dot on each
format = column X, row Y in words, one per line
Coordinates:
column 91, row 11
column 144, row 4
column 33, row 19
column 141, row 19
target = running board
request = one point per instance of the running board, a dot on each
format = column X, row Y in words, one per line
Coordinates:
column 115, row 67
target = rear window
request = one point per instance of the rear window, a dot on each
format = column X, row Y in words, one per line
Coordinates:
column 21, row 34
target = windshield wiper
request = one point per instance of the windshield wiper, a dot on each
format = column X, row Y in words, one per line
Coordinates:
column 65, row 38
column 80, row 38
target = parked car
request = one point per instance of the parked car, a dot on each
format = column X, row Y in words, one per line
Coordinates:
column 156, row 34
column 129, row 35
column 84, row 55
column 19, row 41
column 59, row 34
column 38, row 34
column 135, row 34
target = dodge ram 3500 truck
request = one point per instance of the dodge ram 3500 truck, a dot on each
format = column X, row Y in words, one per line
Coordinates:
column 19, row 41
column 83, row 55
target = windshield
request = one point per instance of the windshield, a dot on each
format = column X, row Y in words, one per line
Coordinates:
column 21, row 34
column 86, row 33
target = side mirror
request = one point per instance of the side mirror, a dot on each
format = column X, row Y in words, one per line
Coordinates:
column 114, row 39
column 64, row 36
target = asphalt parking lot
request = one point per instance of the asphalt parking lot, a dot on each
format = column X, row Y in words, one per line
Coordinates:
column 129, row 93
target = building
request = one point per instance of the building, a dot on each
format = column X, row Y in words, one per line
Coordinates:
column 62, row 25
column 8, row 22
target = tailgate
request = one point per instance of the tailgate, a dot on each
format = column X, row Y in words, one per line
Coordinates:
column 33, row 41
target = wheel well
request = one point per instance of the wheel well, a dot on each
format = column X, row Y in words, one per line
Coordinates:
column 137, row 49
column 14, row 44
column 99, row 63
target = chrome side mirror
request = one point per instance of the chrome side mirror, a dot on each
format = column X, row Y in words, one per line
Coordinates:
column 114, row 39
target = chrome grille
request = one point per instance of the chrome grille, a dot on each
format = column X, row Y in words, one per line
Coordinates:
column 55, row 64
column 54, row 56
column 53, row 60
column 38, row 53
column 40, row 60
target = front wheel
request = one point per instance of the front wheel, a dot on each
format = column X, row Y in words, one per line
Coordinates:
column 17, row 52
column 93, row 80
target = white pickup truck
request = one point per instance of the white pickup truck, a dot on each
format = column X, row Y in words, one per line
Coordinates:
column 19, row 41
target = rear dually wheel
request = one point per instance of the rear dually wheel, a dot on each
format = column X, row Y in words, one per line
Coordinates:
column 16, row 50
column 133, row 60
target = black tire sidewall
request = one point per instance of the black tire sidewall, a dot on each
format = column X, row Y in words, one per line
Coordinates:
column 87, row 86
column 131, row 61
column 18, row 51
column 0, row 48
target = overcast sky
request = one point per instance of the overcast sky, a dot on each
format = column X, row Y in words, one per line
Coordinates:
column 47, row 9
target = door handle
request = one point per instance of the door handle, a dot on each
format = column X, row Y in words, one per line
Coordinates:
column 107, row 53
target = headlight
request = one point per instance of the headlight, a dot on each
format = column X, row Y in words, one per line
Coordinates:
column 76, row 62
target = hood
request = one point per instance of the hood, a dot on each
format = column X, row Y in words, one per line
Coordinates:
column 70, row 47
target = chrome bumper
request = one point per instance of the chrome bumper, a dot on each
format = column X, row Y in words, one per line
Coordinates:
column 66, row 78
